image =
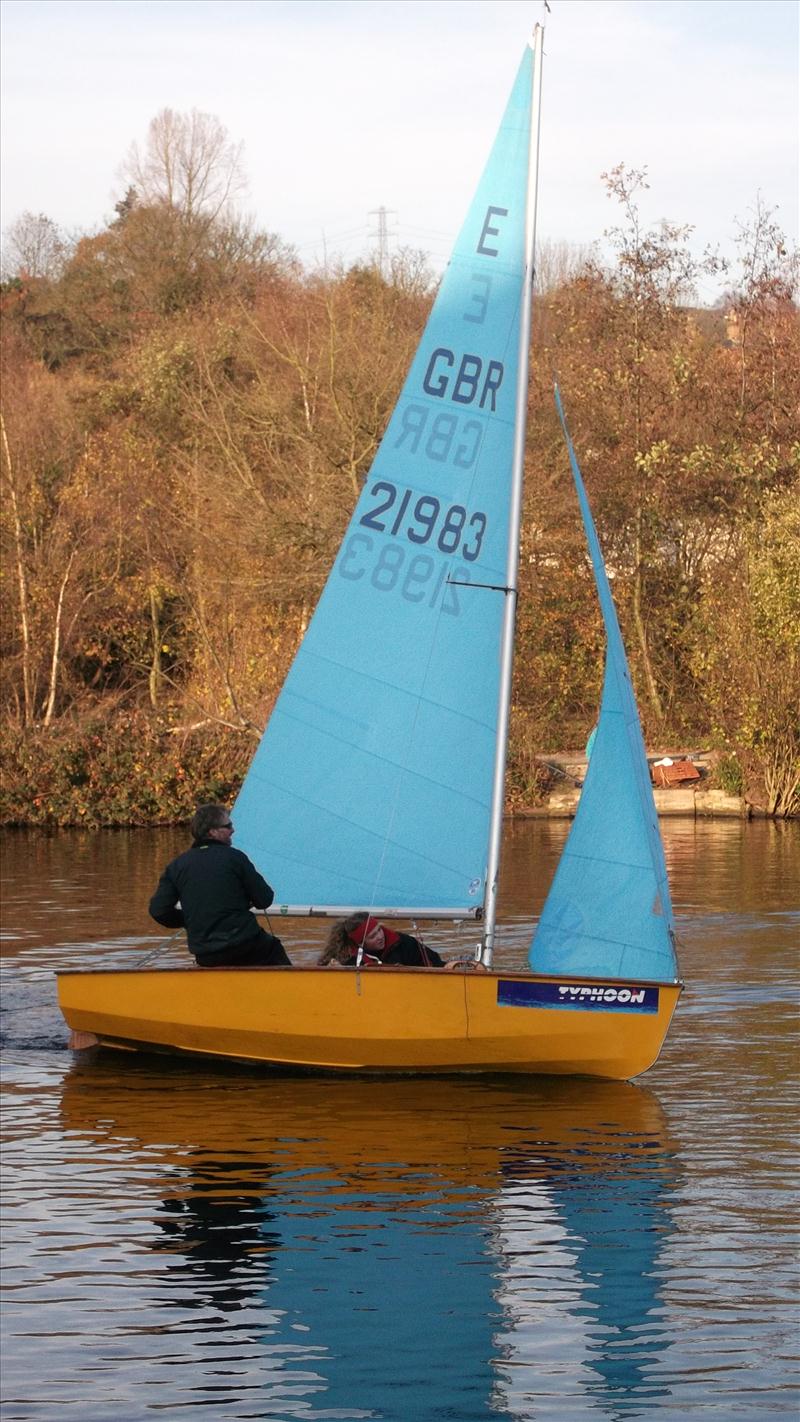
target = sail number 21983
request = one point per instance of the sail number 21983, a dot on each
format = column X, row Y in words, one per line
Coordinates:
column 425, row 519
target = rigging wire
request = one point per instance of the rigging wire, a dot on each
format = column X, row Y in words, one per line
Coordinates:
column 161, row 947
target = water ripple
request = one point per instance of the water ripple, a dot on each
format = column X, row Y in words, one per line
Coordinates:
column 178, row 1237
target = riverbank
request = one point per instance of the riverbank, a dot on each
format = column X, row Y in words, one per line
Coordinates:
column 135, row 770
column 687, row 796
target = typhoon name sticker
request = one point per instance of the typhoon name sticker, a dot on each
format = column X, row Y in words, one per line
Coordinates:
column 597, row 997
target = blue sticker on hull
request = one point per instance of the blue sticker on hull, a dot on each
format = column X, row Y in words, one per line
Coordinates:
column 598, row 997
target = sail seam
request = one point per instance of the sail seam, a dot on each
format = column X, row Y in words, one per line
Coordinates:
column 355, row 670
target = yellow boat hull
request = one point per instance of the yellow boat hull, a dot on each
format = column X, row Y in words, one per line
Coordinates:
column 402, row 1020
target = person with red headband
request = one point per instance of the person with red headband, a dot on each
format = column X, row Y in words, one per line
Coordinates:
column 362, row 942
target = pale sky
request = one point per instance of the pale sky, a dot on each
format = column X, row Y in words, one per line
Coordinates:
column 345, row 106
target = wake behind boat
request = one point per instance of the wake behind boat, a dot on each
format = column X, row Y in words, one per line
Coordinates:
column 379, row 782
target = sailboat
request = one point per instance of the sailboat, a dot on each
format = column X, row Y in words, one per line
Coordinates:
column 379, row 782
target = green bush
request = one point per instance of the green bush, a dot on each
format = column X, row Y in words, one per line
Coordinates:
column 129, row 770
column 729, row 775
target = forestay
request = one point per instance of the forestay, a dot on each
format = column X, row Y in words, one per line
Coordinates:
column 372, row 783
column 608, row 912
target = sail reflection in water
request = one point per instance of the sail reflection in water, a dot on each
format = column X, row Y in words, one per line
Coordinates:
column 594, row 1213
column 433, row 1250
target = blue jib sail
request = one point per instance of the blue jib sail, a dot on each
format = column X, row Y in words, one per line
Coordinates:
column 608, row 912
column 372, row 783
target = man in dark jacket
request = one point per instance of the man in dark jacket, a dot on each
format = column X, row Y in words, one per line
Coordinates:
column 210, row 891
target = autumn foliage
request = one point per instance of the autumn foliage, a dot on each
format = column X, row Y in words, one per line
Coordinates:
column 188, row 416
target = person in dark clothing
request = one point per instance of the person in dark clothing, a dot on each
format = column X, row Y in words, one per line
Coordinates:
column 361, row 941
column 210, row 891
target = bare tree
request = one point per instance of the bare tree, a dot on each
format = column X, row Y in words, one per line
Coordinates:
column 769, row 276
column 557, row 263
column 655, row 276
column 189, row 164
column 21, row 576
column 35, row 246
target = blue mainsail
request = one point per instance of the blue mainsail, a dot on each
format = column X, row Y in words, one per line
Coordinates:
column 372, row 783
column 608, row 912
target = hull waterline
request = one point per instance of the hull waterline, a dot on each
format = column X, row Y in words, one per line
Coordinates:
column 405, row 1020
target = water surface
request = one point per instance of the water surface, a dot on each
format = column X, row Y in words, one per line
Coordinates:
column 188, row 1240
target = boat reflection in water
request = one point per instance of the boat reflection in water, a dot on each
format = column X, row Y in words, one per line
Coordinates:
column 389, row 1249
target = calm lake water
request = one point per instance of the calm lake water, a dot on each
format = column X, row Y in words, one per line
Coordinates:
column 190, row 1241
